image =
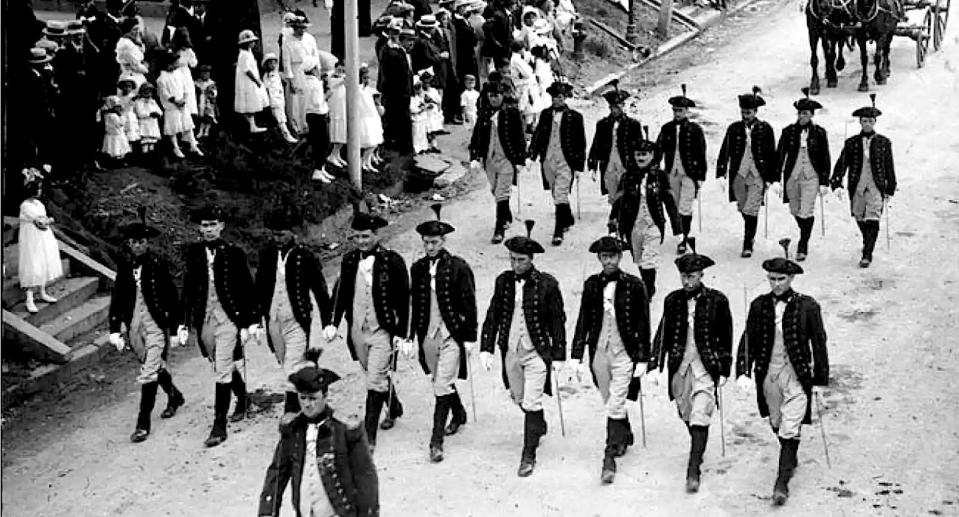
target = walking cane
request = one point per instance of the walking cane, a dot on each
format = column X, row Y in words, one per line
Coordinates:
column 822, row 212
column 699, row 210
column 519, row 198
column 822, row 430
column 559, row 404
column 469, row 372
column 765, row 216
column 885, row 208
column 642, row 414
column 722, row 420
column 579, row 212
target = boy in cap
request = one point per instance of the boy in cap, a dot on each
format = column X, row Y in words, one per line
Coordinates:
column 145, row 299
column 327, row 462
column 804, row 166
column 559, row 143
column 614, row 322
column 694, row 341
column 373, row 291
column 639, row 214
column 289, row 280
column 872, row 177
column 682, row 145
column 499, row 143
column 749, row 153
column 219, row 308
column 611, row 152
column 784, row 346
column 527, row 321
column 444, row 323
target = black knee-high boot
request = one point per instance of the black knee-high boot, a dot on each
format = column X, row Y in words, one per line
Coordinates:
column 534, row 427
column 175, row 398
column 374, row 404
column 221, row 406
column 649, row 280
column 787, row 465
column 750, row 222
column 805, row 232
column 502, row 218
column 567, row 213
column 698, row 435
column 148, row 396
column 242, row 402
column 559, row 227
column 395, row 409
column 873, row 236
column 687, row 224
column 615, row 441
column 458, row 413
column 440, row 414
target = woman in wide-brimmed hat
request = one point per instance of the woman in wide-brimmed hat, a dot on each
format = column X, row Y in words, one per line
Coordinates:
column 298, row 47
column 250, row 97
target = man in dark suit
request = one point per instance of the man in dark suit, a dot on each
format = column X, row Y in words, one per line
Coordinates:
column 749, row 154
column 497, row 33
column 611, row 152
column 373, row 292
column 695, row 343
column 527, row 322
column 219, row 308
column 145, row 300
column 682, row 146
column 444, row 324
column 614, row 323
column 289, row 280
column 784, row 346
column 326, row 462
column 804, row 165
column 559, row 143
column 867, row 157
column 498, row 145
column 396, row 86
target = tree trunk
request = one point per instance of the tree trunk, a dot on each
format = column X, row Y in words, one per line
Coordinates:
column 228, row 18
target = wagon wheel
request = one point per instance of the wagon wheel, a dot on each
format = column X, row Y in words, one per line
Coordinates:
column 922, row 38
column 939, row 26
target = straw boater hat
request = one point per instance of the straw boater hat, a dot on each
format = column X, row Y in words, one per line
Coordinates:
column 75, row 27
column 39, row 56
column 55, row 29
column 246, row 36
column 49, row 45
column 427, row 21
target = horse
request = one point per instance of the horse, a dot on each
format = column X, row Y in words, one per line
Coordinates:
column 828, row 21
column 878, row 20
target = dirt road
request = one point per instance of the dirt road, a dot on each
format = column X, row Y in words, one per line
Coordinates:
column 890, row 410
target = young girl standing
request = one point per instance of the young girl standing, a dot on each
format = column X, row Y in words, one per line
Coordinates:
column 181, row 45
column 336, row 98
column 115, row 143
column 148, row 117
column 371, row 125
column 317, row 114
column 250, row 97
column 419, row 116
column 206, row 101
column 127, row 94
column 39, row 261
column 434, row 114
column 177, row 122
column 274, row 92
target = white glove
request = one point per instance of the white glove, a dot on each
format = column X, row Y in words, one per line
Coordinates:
column 777, row 189
column 329, row 332
column 577, row 174
column 744, row 383
column 486, row 359
column 246, row 333
column 823, row 190
column 640, row 370
column 474, row 165
column 559, row 365
column 818, row 390
column 722, row 381
column 839, row 193
column 470, row 347
column 406, row 347
column 117, row 341
column 721, row 183
column 577, row 366
column 182, row 334
column 592, row 175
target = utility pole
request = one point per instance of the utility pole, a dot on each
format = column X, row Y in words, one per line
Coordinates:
column 351, row 19
column 665, row 15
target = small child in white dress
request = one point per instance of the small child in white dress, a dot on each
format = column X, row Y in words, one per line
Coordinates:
column 468, row 99
column 39, row 261
column 434, row 112
column 419, row 116
column 206, row 93
column 148, row 117
column 177, row 121
column 115, row 143
column 127, row 93
column 371, row 124
column 250, row 96
column 274, row 91
column 336, row 98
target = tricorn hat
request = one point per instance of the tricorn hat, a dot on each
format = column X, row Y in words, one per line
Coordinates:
column 645, row 145
column 282, row 217
column 312, row 379
column 524, row 245
column 209, row 212
column 364, row 221
column 615, row 95
column 682, row 101
column 139, row 230
column 560, row 88
column 806, row 104
column 606, row 244
column 751, row 101
column 868, row 111
column 693, row 262
column 782, row 265
column 435, row 227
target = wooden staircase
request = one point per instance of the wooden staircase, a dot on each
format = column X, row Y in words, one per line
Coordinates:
column 68, row 333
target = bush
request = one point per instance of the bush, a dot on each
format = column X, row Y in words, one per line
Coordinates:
column 597, row 46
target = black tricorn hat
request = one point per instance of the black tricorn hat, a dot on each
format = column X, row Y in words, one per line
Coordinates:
column 693, row 262
column 806, row 104
column 645, row 144
column 751, row 101
column 209, row 212
column 559, row 87
column 312, row 379
column 606, row 244
column 139, row 230
column 783, row 266
column 868, row 111
column 365, row 221
column 525, row 245
column 435, row 227
column 682, row 101
column 283, row 217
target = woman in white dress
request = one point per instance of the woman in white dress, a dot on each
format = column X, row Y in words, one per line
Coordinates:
column 336, row 98
column 250, row 95
column 297, row 47
column 39, row 262
column 130, row 50
column 521, row 73
column 371, row 125
column 181, row 45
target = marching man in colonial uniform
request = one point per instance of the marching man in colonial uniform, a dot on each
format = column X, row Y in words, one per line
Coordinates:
column 749, row 153
column 614, row 323
column 683, row 148
column 499, row 144
column 559, row 143
column 145, row 299
column 784, row 346
column 872, row 177
column 640, row 211
column 611, row 152
column 289, row 280
column 527, row 322
column 444, row 323
column 373, row 291
column 694, row 341
column 804, row 165
column 218, row 305
column 326, row 462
